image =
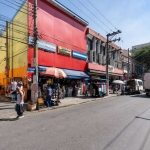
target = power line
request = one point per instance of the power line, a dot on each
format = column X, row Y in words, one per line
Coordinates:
column 14, row 8
column 14, row 39
column 88, row 16
column 17, row 5
column 102, row 14
column 94, row 15
column 17, row 31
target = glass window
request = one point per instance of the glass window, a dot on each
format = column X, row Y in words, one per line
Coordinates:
column 140, row 83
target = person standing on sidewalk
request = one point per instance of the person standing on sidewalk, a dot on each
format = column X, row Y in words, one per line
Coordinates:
column 48, row 95
column 19, row 103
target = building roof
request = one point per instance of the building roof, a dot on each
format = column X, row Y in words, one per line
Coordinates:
column 97, row 35
column 68, row 11
column 124, row 53
column 140, row 46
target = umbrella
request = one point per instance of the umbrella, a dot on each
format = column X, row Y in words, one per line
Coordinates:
column 54, row 72
column 118, row 82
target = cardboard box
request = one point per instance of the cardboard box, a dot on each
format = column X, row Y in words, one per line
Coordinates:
column 31, row 107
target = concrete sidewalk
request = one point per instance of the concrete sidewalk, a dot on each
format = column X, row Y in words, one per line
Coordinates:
column 7, row 108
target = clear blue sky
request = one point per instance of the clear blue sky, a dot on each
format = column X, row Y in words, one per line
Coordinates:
column 129, row 16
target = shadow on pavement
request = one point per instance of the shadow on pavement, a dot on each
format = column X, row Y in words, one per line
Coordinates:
column 4, row 106
column 8, row 119
column 121, row 132
column 142, row 118
column 7, row 108
column 140, row 96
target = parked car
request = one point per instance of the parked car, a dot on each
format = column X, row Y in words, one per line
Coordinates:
column 134, row 86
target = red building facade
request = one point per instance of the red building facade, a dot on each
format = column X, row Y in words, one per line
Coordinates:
column 59, row 26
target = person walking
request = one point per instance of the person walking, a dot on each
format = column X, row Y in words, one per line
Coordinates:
column 19, row 104
column 48, row 95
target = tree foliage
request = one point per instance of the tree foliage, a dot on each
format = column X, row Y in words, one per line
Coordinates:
column 143, row 56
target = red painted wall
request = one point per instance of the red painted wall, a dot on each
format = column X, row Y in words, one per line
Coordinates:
column 57, row 27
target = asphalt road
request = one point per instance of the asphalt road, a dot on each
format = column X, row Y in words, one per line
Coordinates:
column 118, row 123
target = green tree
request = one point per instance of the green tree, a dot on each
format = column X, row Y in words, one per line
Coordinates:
column 143, row 56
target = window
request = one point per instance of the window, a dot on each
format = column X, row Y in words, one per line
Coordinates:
column 103, row 51
column 140, row 82
column 89, row 42
column 113, row 55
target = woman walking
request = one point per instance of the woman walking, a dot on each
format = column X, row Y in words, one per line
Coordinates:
column 20, row 102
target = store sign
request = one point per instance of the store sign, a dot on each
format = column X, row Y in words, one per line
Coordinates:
column 64, row 51
column 94, row 77
column 79, row 55
column 47, row 46
column 110, row 68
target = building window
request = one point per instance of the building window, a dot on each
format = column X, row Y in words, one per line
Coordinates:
column 90, row 44
column 104, row 51
column 94, row 56
column 113, row 55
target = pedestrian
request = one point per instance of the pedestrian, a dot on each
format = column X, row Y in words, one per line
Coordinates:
column 63, row 91
column 20, row 101
column 48, row 95
column 86, row 90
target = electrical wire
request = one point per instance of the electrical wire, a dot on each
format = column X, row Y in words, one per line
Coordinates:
column 102, row 14
column 88, row 16
column 13, row 8
column 42, row 33
column 17, row 5
column 93, row 14
column 14, row 40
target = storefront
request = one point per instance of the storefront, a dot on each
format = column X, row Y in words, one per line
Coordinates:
column 99, row 71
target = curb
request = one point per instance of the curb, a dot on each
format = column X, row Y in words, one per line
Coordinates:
column 78, row 103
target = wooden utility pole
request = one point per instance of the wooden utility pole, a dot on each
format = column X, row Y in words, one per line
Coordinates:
column 7, row 59
column 35, row 40
column 128, row 65
column 107, row 56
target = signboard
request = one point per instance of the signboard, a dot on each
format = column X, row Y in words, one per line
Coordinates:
column 47, row 46
column 110, row 68
column 79, row 55
column 64, row 51
column 33, row 62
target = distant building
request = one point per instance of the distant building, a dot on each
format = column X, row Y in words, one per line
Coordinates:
column 137, row 47
column 136, row 69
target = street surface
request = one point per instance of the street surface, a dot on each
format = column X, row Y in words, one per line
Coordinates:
column 117, row 123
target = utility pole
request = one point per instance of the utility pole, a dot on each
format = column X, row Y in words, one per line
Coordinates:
column 35, row 40
column 128, row 65
column 107, row 74
column 35, row 59
column 7, row 59
column 107, row 56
